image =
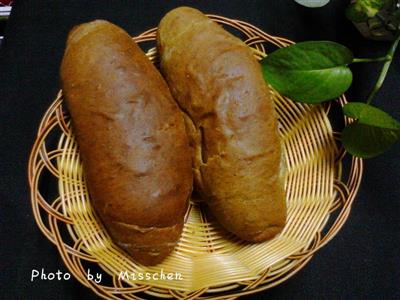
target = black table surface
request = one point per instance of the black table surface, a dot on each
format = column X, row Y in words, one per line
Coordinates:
column 361, row 262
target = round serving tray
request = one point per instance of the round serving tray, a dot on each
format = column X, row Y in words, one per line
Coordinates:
column 208, row 262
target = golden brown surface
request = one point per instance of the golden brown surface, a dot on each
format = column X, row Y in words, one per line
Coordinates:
column 231, row 123
column 131, row 138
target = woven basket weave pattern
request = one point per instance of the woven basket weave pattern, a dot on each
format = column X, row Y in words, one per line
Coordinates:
column 213, row 263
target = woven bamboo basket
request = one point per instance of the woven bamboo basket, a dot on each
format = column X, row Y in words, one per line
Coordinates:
column 212, row 264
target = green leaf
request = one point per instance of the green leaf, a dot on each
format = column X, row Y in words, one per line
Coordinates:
column 362, row 10
column 373, row 133
column 312, row 3
column 370, row 115
column 310, row 72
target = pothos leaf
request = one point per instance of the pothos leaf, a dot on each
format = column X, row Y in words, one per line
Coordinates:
column 310, row 72
column 373, row 132
column 370, row 115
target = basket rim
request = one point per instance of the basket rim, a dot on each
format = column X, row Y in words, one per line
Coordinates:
column 348, row 190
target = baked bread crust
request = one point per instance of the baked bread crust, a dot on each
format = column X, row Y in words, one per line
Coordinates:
column 132, row 140
column 230, row 120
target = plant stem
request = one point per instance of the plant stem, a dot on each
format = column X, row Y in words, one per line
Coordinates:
column 367, row 60
column 384, row 69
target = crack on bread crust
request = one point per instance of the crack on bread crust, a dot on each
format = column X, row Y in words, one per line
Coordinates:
column 143, row 229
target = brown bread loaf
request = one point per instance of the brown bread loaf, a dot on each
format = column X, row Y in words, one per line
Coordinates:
column 230, row 118
column 131, row 137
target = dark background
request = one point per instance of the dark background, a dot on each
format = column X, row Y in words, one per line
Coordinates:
column 361, row 262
